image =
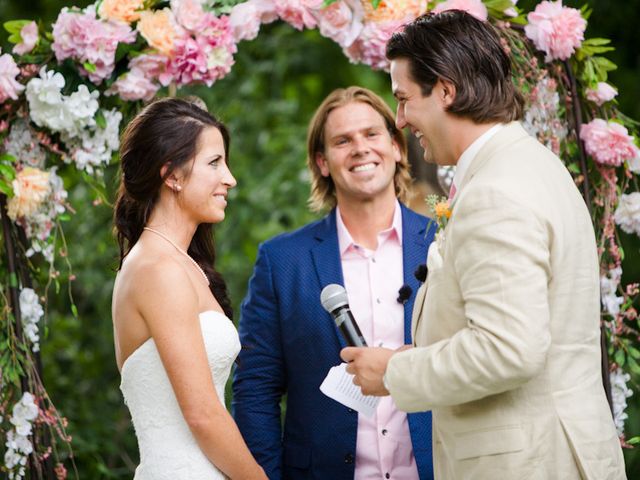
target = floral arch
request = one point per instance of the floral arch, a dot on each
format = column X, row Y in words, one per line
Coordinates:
column 63, row 92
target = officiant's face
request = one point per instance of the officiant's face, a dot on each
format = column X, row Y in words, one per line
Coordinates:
column 359, row 154
column 424, row 115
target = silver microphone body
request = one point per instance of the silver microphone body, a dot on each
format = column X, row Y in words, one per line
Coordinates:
column 334, row 300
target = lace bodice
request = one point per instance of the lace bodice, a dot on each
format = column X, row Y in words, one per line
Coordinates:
column 168, row 450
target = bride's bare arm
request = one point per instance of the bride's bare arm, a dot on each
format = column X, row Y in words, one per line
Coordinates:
column 169, row 304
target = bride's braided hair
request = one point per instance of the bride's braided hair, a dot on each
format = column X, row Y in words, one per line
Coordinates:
column 164, row 132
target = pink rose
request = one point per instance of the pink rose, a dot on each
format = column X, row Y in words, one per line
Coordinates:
column 556, row 30
column 30, row 189
column 160, row 30
column 247, row 17
column 601, row 94
column 29, row 36
column 609, row 143
column 472, row 7
column 9, row 86
column 299, row 13
column 341, row 21
column 133, row 85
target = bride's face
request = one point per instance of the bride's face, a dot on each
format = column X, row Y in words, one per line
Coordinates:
column 204, row 193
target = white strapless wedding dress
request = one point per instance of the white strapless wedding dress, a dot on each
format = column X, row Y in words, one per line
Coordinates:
column 168, row 450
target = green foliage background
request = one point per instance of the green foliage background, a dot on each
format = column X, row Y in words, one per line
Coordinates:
column 278, row 81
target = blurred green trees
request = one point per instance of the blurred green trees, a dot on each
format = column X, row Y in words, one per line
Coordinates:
column 267, row 100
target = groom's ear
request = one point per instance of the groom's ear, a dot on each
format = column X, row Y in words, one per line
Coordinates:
column 446, row 92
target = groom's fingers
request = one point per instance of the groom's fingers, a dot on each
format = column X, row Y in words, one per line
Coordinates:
column 349, row 354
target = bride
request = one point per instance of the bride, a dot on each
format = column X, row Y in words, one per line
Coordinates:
column 174, row 340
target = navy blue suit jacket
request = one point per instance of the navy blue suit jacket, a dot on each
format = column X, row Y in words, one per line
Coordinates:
column 289, row 343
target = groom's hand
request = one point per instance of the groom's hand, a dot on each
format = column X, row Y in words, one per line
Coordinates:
column 368, row 364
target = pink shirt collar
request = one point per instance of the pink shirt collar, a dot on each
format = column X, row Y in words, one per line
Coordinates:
column 345, row 240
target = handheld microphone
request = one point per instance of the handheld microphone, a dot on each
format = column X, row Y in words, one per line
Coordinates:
column 334, row 300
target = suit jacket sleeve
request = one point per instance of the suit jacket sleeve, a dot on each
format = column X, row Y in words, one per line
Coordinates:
column 259, row 380
column 499, row 271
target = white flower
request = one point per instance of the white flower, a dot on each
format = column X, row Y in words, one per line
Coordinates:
column 619, row 394
column 541, row 119
column 26, row 408
column 49, row 108
column 31, row 312
column 627, row 214
column 634, row 163
column 22, row 144
column 95, row 147
column 434, row 257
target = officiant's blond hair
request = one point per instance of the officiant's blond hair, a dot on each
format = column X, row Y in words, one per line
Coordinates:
column 323, row 190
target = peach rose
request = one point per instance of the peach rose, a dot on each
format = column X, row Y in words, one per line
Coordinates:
column 159, row 29
column 30, row 188
column 123, row 10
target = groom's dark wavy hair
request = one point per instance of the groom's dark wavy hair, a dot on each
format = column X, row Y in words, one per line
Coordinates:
column 165, row 132
column 455, row 46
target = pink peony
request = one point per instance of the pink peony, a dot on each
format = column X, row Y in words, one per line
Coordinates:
column 152, row 66
column 609, row 143
column 29, row 36
column 9, row 87
column 188, row 13
column 556, row 30
column 133, row 85
column 369, row 48
column 601, row 94
column 341, row 21
column 472, row 7
column 206, row 58
column 299, row 13
column 123, row 10
column 85, row 38
column 247, row 17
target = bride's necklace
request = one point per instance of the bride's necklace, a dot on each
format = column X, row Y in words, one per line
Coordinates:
column 160, row 234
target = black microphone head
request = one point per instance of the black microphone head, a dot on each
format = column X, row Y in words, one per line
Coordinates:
column 421, row 272
column 333, row 296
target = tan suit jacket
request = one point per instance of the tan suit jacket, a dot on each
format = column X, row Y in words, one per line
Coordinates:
column 508, row 325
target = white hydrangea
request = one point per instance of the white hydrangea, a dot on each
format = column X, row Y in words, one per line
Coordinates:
column 619, row 394
column 627, row 214
column 541, row 119
column 49, row 108
column 608, row 289
column 634, row 164
column 24, row 146
column 93, row 148
column 19, row 447
column 31, row 312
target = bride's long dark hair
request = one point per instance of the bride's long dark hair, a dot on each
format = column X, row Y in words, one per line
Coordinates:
column 165, row 132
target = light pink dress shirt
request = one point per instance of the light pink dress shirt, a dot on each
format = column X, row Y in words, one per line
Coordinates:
column 372, row 279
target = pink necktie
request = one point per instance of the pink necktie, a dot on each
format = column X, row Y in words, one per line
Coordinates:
column 452, row 191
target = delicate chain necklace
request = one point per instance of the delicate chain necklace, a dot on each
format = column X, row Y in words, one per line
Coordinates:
column 206, row 279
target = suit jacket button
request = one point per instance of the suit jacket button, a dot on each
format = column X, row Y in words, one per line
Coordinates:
column 350, row 410
column 348, row 458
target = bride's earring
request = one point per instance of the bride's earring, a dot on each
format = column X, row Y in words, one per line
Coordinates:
column 176, row 187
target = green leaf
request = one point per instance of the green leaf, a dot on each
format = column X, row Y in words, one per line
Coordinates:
column 89, row 67
column 574, row 168
column 619, row 357
column 633, row 440
column 596, row 41
column 6, row 189
column 7, row 171
column 633, row 365
column 100, row 120
column 375, row 3
column 13, row 280
column 7, row 158
column 74, row 310
column 14, row 26
column 635, row 353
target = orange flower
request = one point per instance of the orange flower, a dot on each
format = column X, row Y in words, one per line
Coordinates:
column 442, row 209
column 393, row 9
column 158, row 29
column 30, row 188
column 123, row 10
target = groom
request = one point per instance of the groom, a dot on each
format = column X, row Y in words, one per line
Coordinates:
column 370, row 243
column 507, row 323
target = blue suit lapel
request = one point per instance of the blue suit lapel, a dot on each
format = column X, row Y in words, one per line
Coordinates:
column 326, row 257
column 414, row 252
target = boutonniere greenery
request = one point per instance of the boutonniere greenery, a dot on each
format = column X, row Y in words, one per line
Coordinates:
column 439, row 211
